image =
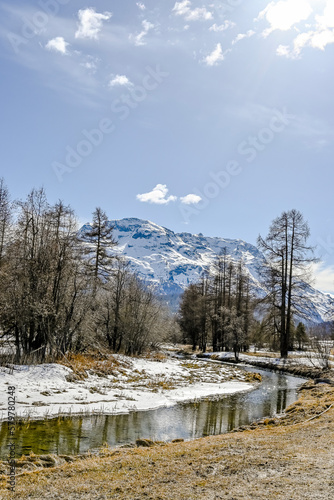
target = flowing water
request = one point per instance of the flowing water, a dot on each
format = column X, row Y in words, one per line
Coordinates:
column 190, row 420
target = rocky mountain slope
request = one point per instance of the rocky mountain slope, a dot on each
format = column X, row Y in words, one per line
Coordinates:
column 171, row 261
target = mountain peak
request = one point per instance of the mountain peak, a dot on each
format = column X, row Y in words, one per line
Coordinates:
column 171, row 261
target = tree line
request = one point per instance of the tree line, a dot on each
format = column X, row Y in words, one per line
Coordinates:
column 219, row 308
column 223, row 309
column 62, row 290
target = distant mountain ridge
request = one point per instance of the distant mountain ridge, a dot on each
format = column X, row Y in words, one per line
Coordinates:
column 171, row 261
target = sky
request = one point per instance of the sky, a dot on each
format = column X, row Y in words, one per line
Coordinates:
column 203, row 117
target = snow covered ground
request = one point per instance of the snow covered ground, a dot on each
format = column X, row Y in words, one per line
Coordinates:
column 136, row 384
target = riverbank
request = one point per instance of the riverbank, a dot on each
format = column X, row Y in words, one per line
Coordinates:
column 114, row 384
column 285, row 458
column 297, row 364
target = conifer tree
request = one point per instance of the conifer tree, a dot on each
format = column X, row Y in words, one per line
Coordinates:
column 5, row 216
column 285, row 273
column 99, row 237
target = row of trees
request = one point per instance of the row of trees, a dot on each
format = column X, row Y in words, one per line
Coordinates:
column 221, row 306
column 62, row 291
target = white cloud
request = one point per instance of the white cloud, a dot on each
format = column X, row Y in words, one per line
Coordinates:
column 241, row 36
column 190, row 199
column 215, row 56
column 316, row 39
column 324, row 277
column 300, row 42
column 222, row 27
column 184, row 9
column 283, row 50
column 181, row 8
column 321, row 39
column 141, row 6
column 327, row 20
column 91, row 63
column 57, row 44
column 90, row 23
column 139, row 39
column 283, row 15
column 120, row 80
column 91, row 66
column 158, row 196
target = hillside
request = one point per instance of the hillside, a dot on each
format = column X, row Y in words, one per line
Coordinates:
column 171, row 261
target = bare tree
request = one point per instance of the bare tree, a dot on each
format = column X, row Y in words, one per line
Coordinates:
column 286, row 269
column 5, row 216
column 320, row 346
column 141, row 313
column 43, row 280
column 112, row 299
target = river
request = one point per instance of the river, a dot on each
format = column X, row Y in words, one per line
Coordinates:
column 189, row 420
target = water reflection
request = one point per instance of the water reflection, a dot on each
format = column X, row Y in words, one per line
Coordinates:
column 190, row 420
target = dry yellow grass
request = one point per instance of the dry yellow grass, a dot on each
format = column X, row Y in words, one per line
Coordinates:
column 106, row 364
column 156, row 356
column 97, row 363
column 265, row 354
column 275, row 460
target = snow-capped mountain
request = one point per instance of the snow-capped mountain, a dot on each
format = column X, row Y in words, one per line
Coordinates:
column 171, row 261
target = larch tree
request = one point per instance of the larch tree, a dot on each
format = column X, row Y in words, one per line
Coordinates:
column 219, row 307
column 5, row 216
column 100, row 239
column 285, row 272
column 220, row 289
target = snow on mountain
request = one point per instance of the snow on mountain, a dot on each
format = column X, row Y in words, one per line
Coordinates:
column 171, row 261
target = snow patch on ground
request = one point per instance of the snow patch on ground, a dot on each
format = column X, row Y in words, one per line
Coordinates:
column 142, row 384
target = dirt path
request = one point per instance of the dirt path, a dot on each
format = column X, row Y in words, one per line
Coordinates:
column 287, row 458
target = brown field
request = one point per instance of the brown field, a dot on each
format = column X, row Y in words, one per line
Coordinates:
column 287, row 458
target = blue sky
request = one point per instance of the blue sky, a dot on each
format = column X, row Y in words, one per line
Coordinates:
column 209, row 117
